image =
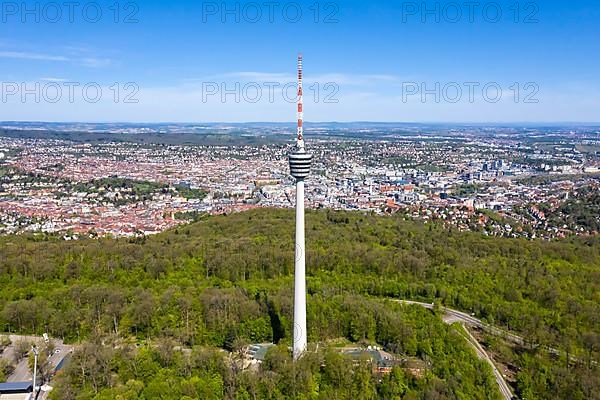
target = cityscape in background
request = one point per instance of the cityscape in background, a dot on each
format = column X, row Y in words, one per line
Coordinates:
column 123, row 180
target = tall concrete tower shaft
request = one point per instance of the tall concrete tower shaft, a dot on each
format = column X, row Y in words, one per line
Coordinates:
column 300, row 163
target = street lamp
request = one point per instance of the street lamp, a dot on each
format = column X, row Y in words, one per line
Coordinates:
column 35, row 359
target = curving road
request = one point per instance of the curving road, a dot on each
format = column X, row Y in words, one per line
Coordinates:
column 452, row 316
column 502, row 385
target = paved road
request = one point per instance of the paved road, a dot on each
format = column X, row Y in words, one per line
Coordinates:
column 504, row 388
column 452, row 316
column 21, row 372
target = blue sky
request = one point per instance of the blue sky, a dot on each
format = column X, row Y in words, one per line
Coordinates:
column 374, row 58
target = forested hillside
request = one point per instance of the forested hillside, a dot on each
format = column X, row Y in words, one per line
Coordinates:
column 227, row 280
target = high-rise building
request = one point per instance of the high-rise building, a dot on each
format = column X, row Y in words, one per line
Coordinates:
column 300, row 162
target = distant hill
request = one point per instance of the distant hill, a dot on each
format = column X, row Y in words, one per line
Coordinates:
column 259, row 133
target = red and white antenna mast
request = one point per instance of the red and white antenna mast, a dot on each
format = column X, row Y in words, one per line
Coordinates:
column 300, row 142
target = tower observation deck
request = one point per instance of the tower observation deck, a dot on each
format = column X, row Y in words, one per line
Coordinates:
column 300, row 163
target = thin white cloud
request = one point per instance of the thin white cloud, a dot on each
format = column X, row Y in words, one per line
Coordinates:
column 96, row 62
column 259, row 75
column 53, row 79
column 174, row 104
column 339, row 78
column 91, row 62
column 31, row 56
column 253, row 76
column 283, row 78
column 245, row 77
column 382, row 77
column 77, row 50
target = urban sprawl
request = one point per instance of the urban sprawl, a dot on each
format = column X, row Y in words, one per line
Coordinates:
column 498, row 185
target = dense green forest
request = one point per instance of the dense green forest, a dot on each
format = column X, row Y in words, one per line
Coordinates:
column 227, row 280
column 451, row 369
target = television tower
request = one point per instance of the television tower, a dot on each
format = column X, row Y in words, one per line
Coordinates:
column 300, row 162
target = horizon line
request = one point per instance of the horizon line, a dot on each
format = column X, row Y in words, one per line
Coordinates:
column 587, row 123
